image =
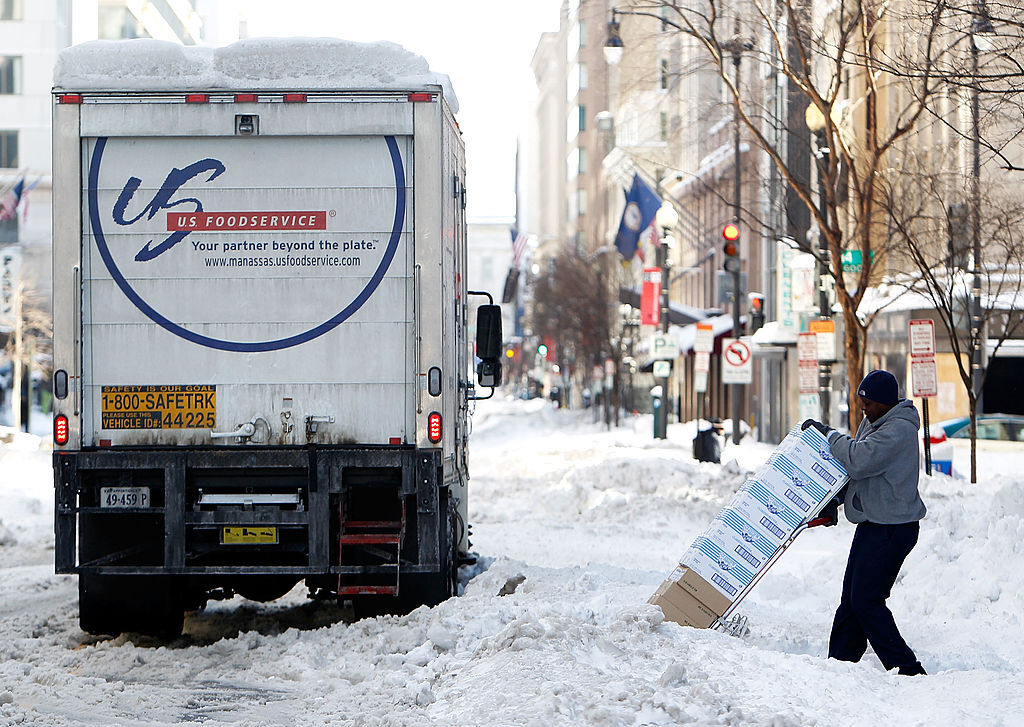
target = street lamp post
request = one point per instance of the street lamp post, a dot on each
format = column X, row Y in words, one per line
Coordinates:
column 666, row 219
column 816, row 123
column 980, row 25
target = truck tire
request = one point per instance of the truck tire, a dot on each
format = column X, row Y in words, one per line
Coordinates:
column 112, row 605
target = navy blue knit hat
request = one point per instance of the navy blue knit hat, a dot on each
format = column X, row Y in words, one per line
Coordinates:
column 880, row 386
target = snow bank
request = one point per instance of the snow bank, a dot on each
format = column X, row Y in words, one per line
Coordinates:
column 587, row 522
column 253, row 64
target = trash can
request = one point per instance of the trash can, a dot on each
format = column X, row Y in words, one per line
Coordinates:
column 706, row 447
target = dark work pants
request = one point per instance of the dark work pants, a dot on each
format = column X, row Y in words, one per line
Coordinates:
column 877, row 553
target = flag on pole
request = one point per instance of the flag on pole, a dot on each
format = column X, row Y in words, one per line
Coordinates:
column 519, row 240
column 23, row 204
column 641, row 206
column 11, row 200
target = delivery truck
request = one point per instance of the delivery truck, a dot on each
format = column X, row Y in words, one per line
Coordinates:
column 262, row 362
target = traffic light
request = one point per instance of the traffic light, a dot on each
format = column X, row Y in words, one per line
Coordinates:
column 731, row 248
column 756, row 311
column 542, row 349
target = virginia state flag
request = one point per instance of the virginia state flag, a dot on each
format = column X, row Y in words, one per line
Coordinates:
column 641, row 206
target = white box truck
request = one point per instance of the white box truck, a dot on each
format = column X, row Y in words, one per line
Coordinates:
column 262, row 373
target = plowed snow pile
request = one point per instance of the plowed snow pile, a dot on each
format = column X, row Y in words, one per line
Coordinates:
column 593, row 520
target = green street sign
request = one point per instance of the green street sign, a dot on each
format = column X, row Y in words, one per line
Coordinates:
column 852, row 260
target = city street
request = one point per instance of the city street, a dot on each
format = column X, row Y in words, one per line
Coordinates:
column 590, row 521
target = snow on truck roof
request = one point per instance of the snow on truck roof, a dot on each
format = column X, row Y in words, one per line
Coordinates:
column 252, row 64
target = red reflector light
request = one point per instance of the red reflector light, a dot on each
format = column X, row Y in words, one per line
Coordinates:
column 395, row 440
column 104, row 442
column 421, row 97
column 245, row 98
column 197, row 98
column 434, row 427
column 60, row 429
column 295, row 98
column 69, row 98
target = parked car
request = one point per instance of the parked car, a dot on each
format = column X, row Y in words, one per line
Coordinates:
column 996, row 433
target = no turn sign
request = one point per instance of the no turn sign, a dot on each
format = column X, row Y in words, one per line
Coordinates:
column 737, row 367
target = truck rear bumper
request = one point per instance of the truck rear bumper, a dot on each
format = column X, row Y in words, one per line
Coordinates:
column 393, row 493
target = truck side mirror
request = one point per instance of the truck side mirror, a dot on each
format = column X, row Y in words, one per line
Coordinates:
column 488, row 345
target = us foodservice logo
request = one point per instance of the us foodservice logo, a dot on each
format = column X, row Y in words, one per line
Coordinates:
column 186, row 214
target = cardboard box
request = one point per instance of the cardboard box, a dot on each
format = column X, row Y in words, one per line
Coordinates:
column 770, row 504
column 681, row 607
column 740, row 539
column 700, row 589
column 809, row 451
column 754, row 513
column 787, row 482
column 726, row 574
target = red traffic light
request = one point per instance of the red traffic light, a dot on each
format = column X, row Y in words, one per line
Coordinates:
column 731, row 232
column 730, row 249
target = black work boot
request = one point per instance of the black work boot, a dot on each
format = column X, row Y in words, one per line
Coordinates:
column 913, row 670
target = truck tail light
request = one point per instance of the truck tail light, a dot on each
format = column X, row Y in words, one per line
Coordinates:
column 434, row 427
column 420, row 97
column 197, row 98
column 245, row 98
column 295, row 98
column 69, row 98
column 60, row 429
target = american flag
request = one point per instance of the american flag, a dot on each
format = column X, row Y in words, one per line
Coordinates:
column 9, row 203
column 518, row 247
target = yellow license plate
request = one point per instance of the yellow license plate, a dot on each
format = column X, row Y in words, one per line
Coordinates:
column 248, row 536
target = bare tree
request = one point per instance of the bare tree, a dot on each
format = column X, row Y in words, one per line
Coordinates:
column 927, row 216
column 571, row 308
column 872, row 70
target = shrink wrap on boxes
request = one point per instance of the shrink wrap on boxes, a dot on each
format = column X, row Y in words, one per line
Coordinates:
column 790, row 489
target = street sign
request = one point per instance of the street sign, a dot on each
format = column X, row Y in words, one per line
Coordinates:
column 662, row 369
column 825, row 335
column 923, row 371
column 807, row 364
column 807, row 347
column 701, row 362
column 737, row 367
column 664, row 346
column 704, row 340
column 925, row 375
column 922, row 337
column 853, row 260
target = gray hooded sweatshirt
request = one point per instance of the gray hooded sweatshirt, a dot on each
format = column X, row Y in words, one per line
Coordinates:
column 883, row 464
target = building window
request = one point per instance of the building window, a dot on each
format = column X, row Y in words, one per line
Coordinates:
column 583, row 75
column 664, row 126
column 664, row 17
column 10, row 10
column 583, row 34
column 664, row 74
column 581, row 160
column 8, row 149
column 583, row 118
column 581, row 202
column 10, row 74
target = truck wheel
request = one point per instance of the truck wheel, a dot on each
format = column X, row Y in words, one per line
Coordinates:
column 149, row 605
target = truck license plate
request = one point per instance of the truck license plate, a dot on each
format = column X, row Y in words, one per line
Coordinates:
column 248, row 536
column 124, row 497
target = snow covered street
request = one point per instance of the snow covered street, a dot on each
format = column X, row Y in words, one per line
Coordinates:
column 592, row 520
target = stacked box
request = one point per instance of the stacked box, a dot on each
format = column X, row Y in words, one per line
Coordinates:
column 688, row 599
column 790, row 489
